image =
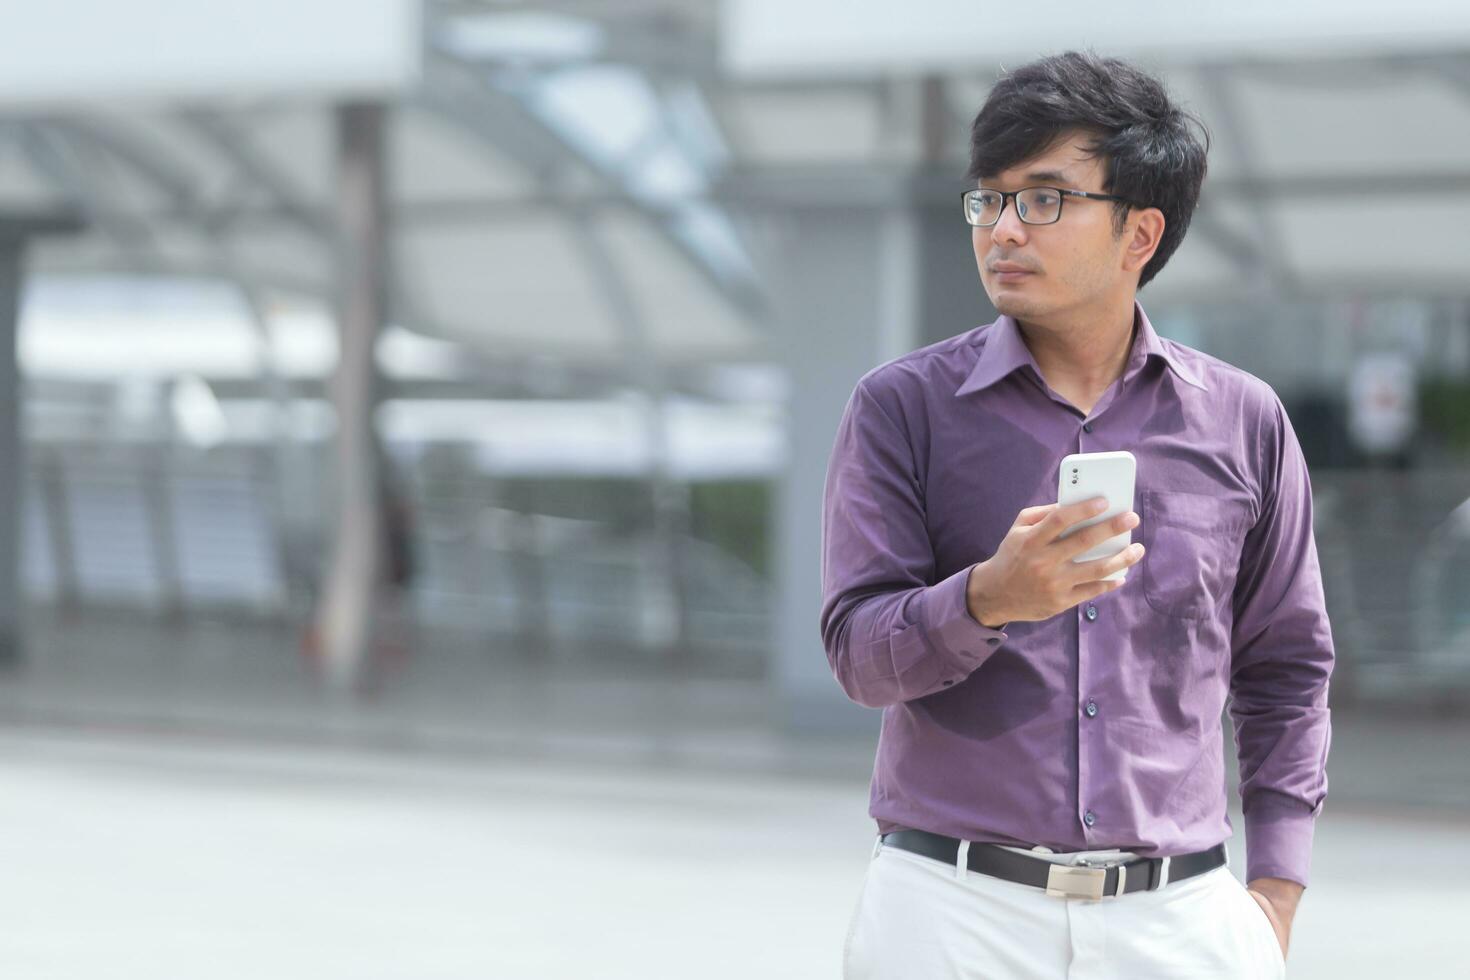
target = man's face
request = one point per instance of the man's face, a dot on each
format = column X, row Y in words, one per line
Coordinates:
column 1074, row 263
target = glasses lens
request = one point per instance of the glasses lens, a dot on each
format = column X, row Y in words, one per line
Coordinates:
column 982, row 207
column 1039, row 205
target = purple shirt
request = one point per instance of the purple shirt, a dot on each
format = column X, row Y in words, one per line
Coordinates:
column 1099, row 727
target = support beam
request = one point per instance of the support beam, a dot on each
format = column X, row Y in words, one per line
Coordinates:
column 16, row 230
column 81, row 183
column 1271, row 268
column 356, row 558
column 667, row 632
column 860, row 275
column 463, row 91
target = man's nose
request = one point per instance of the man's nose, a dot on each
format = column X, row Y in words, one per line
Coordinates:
column 1008, row 227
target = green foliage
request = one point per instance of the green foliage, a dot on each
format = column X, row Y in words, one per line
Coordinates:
column 1444, row 410
column 619, row 501
column 735, row 516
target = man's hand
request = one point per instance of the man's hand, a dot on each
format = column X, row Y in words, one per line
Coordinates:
column 1279, row 898
column 1032, row 576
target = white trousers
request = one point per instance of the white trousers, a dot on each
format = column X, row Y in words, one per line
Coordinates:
column 921, row 919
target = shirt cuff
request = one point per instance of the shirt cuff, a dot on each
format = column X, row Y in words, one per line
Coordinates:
column 952, row 632
column 1278, row 837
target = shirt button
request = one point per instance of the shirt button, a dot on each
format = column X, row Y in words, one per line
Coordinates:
column 1088, row 818
column 1086, row 426
column 1091, row 612
column 1091, row 709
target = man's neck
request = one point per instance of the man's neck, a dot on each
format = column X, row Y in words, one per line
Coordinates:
column 1084, row 354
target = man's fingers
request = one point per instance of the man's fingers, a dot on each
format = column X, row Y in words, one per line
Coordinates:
column 1095, row 588
column 1093, row 535
column 1063, row 517
column 1098, row 569
column 1032, row 515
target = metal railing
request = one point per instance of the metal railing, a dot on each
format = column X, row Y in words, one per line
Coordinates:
column 211, row 531
column 206, row 531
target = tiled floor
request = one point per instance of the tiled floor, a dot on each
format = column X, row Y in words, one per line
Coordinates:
column 185, row 804
column 154, row 856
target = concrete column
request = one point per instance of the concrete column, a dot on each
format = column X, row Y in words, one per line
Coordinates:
column 16, row 230
column 863, row 268
column 355, row 570
column 12, row 467
column 949, row 295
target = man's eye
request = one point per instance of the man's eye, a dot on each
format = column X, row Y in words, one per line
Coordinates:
column 1045, row 200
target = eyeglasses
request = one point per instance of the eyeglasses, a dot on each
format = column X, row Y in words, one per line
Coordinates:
column 1035, row 205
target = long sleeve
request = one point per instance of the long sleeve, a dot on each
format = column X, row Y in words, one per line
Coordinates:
column 1281, row 663
column 891, row 632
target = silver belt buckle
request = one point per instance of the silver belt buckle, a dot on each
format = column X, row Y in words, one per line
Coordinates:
column 1083, row 881
column 1075, row 881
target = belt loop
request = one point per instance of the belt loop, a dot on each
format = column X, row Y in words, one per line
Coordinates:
column 962, row 861
column 1163, row 871
column 877, row 846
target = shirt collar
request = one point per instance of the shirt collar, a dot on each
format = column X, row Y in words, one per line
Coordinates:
column 1005, row 351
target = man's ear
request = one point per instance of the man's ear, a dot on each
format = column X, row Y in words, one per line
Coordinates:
column 1144, row 231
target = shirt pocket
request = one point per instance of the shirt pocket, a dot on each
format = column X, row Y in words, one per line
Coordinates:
column 1192, row 547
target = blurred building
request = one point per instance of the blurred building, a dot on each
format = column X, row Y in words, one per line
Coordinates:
column 542, row 315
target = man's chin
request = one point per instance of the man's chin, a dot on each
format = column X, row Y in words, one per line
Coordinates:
column 1012, row 305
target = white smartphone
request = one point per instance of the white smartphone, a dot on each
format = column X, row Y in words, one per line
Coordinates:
column 1111, row 475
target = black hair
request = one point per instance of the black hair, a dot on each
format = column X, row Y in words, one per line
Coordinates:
column 1151, row 155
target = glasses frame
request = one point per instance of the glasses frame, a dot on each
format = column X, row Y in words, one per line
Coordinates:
column 1005, row 196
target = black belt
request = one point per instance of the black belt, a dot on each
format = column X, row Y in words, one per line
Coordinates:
column 1096, row 879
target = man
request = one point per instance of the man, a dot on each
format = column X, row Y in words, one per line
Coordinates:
column 1049, row 782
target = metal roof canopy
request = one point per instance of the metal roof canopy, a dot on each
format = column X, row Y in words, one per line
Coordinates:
column 68, row 51
column 520, row 225
column 516, row 231
column 832, row 38
column 1300, row 199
